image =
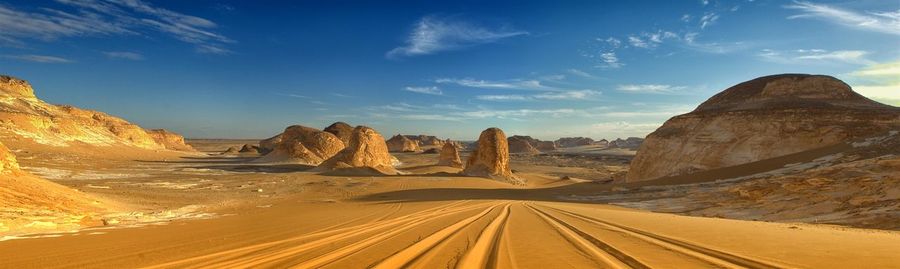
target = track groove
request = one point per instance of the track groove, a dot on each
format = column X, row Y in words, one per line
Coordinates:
column 484, row 250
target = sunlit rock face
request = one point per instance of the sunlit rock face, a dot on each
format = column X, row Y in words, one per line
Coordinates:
column 24, row 116
column 491, row 157
column 303, row 145
column 367, row 154
column 450, row 156
column 760, row 119
column 399, row 143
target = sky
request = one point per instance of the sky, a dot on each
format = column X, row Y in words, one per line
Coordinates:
column 549, row 69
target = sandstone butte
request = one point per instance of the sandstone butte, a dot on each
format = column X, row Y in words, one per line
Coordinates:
column 367, row 154
column 303, row 145
column 399, row 143
column 491, row 158
column 759, row 119
column 449, row 156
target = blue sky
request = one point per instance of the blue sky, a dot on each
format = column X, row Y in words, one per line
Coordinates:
column 604, row 69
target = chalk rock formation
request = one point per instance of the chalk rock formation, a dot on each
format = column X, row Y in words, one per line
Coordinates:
column 629, row 143
column 268, row 145
column 400, row 143
column 26, row 117
column 342, row 130
column 760, row 119
column 231, row 151
column 169, row 140
column 425, row 140
column 247, row 148
column 303, row 145
column 450, row 156
column 568, row 142
column 491, row 157
column 367, row 154
column 517, row 144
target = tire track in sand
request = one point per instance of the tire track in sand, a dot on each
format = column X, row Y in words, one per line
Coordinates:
column 206, row 261
column 716, row 257
column 484, row 251
column 410, row 254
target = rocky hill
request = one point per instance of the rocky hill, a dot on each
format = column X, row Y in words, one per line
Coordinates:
column 760, row 119
column 24, row 117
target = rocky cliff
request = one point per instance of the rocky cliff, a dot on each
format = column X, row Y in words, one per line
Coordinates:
column 760, row 119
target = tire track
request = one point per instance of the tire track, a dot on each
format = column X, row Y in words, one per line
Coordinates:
column 591, row 245
column 393, row 227
column 206, row 261
column 719, row 258
column 485, row 248
column 414, row 252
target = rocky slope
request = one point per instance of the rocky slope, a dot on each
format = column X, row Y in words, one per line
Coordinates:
column 760, row 119
column 303, row 145
column 518, row 145
column 24, row 117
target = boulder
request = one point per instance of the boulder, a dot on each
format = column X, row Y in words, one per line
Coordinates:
column 367, row 154
column 450, row 156
column 760, row 119
column 342, row 130
column 491, row 158
column 303, row 145
column 399, row 143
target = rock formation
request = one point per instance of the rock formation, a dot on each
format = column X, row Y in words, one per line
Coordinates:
column 760, row 119
column 29, row 118
column 450, row 156
column 632, row 143
column 602, row 143
column 517, row 144
column 400, row 143
column 169, row 140
column 425, row 140
column 568, row 142
column 231, row 151
column 268, row 145
column 342, row 130
column 491, row 157
column 367, row 154
column 247, row 148
column 303, row 145
column 431, row 151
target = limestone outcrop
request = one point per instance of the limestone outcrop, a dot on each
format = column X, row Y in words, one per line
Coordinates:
column 760, row 119
column 303, row 145
column 399, row 143
column 450, row 156
column 568, row 142
column 342, row 130
column 268, row 145
column 521, row 146
column 169, row 140
column 491, row 157
column 367, row 154
column 425, row 140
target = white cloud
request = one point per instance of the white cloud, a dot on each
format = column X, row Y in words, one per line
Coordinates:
column 568, row 95
column 816, row 56
column 708, row 19
column 580, row 73
column 40, row 59
column 638, row 42
column 649, row 88
column 425, row 90
column 504, row 97
column 127, row 55
column 621, row 129
column 686, row 17
column 609, row 60
column 517, row 113
column 108, row 18
column 884, row 22
column 433, row 34
column 880, row 82
column 515, row 84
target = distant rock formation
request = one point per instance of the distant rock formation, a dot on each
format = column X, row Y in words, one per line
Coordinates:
column 632, row 143
column 425, row 140
column 27, row 117
column 303, row 145
column 450, row 156
column 602, row 143
column 431, row 151
column 399, row 143
column 516, row 145
column 491, row 158
column 268, row 145
column 760, row 119
column 169, row 140
column 568, row 142
column 342, row 130
column 247, row 148
column 367, row 154
column 231, row 151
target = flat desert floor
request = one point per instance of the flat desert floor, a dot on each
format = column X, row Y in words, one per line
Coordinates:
column 226, row 212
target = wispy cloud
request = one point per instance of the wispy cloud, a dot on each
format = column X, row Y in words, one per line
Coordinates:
column 708, row 19
column 109, row 18
column 561, row 95
column 514, row 84
column 341, row 95
column 884, row 22
column 580, row 73
column 425, row 90
column 434, row 34
column 503, row 97
column 816, row 56
column 649, row 88
column 127, row 55
column 881, row 82
column 40, row 59
column 609, row 60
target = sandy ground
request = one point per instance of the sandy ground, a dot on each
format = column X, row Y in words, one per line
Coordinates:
column 224, row 212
